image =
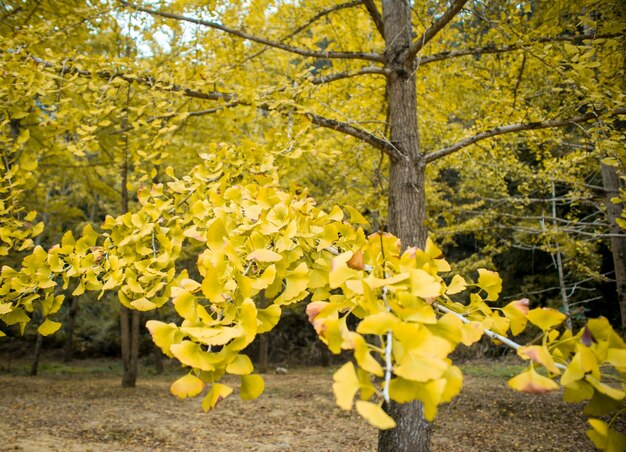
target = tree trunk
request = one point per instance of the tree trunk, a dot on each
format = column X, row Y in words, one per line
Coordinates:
column 36, row 355
column 407, row 201
column 263, row 341
column 611, row 182
column 69, row 330
column 129, row 319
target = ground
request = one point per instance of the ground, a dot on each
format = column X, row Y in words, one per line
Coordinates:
column 81, row 407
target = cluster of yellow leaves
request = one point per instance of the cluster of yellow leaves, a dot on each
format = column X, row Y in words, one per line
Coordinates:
column 261, row 248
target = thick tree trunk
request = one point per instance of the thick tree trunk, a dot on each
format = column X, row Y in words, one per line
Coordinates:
column 407, row 202
column 611, row 182
column 69, row 330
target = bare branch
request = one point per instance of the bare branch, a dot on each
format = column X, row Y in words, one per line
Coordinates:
column 361, row 134
column 494, row 48
column 315, row 18
column 434, row 29
column 557, row 123
column 375, row 14
column 247, row 36
column 342, row 75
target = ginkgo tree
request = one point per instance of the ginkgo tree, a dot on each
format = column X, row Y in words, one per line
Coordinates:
column 361, row 68
column 256, row 238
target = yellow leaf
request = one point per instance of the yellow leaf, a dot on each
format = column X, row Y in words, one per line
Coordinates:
column 217, row 393
column 375, row 415
column 516, row 312
column 187, row 386
column 540, row 355
column 457, row 285
column 378, row 323
column 252, row 386
column 143, row 304
column 48, row 327
column 471, row 333
column 546, row 318
column 355, row 216
column 363, row 356
column 264, row 255
column 164, row 335
column 490, row 282
column 346, row 384
column 531, row 382
column 268, row 318
column 241, row 365
column 425, row 285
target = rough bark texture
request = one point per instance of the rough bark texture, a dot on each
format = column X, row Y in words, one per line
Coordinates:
column 611, row 182
column 407, row 202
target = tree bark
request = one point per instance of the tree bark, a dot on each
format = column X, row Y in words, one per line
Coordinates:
column 263, row 341
column 129, row 319
column 36, row 355
column 69, row 330
column 407, row 201
column 611, row 182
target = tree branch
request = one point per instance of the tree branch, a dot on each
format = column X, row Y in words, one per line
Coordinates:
column 434, row 29
column 342, row 75
column 493, row 48
column 431, row 157
column 375, row 14
column 142, row 80
column 361, row 134
column 315, row 18
column 247, row 36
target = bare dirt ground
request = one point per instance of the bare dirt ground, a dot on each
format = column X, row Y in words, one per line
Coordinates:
column 87, row 410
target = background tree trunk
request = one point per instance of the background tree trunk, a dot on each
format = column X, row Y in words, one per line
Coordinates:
column 68, row 354
column 611, row 182
column 407, row 202
column 36, row 355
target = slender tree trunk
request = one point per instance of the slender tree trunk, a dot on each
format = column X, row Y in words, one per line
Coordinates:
column 69, row 330
column 263, row 341
column 407, row 202
column 611, row 182
column 36, row 355
column 129, row 319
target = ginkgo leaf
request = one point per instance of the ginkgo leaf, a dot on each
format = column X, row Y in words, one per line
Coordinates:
column 252, row 386
column 375, row 415
column 346, row 384
column 471, row 333
column 539, row 354
column 268, row 318
column 490, row 282
column 48, row 327
column 530, row 381
column 516, row 312
column 425, row 285
column 241, row 365
column 187, row 386
column 546, row 318
column 217, row 393
column 457, row 285
column 264, row 255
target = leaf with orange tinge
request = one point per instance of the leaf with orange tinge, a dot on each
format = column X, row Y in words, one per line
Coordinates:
column 540, row 355
column 187, row 386
column 356, row 261
column 531, row 382
column 217, row 393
